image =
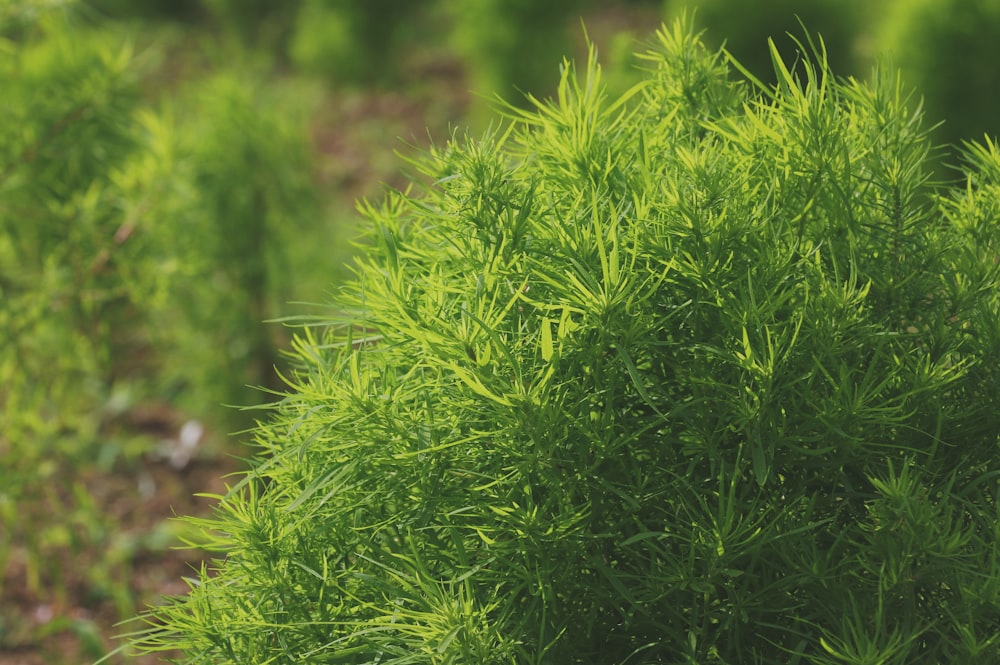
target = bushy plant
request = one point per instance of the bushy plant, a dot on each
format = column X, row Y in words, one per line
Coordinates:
column 350, row 41
column 159, row 244
column 703, row 374
column 61, row 240
column 73, row 279
column 242, row 193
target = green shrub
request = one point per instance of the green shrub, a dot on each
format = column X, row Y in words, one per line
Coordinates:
column 507, row 44
column 707, row 373
column 243, row 192
column 159, row 244
column 350, row 41
column 72, row 281
column 261, row 23
column 66, row 135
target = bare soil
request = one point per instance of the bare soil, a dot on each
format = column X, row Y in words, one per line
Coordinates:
column 73, row 619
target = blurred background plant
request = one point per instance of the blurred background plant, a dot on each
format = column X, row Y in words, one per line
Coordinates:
column 249, row 170
column 174, row 173
column 745, row 27
column 355, row 42
column 145, row 237
column 69, row 318
column 947, row 50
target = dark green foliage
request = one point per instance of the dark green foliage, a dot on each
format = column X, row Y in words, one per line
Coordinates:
column 506, row 44
column 947, row 48
column 746, row 27
column 177, row 10
column 353, row 41
column 705, row 374
column 246, row 195
column 259, row 23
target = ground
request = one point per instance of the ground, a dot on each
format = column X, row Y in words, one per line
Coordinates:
column 40, row 629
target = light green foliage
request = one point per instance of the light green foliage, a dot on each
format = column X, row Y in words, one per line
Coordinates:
column 325, row 42
column 702, row 374
column 126, row 228
column 67, row 137
column 71, row 318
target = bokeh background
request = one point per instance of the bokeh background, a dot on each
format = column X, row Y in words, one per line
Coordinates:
column 177, row 190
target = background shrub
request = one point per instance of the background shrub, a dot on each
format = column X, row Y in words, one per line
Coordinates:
column 746, row 27
column 702, row 374
column 59, row 206
column 139, row 255
column 245, row 167
column 73, row 283
column 503, row 42
column 354, row 42
column 945, row 49
column 116, row 216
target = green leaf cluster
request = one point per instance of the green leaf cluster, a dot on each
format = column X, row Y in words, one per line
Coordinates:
column 702, row 374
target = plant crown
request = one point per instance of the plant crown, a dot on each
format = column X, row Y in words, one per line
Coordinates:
column 703, row 374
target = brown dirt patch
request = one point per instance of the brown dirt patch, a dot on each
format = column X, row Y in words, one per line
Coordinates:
column 66, row 608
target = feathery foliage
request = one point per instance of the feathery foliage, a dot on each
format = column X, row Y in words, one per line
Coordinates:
column 703, row 374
